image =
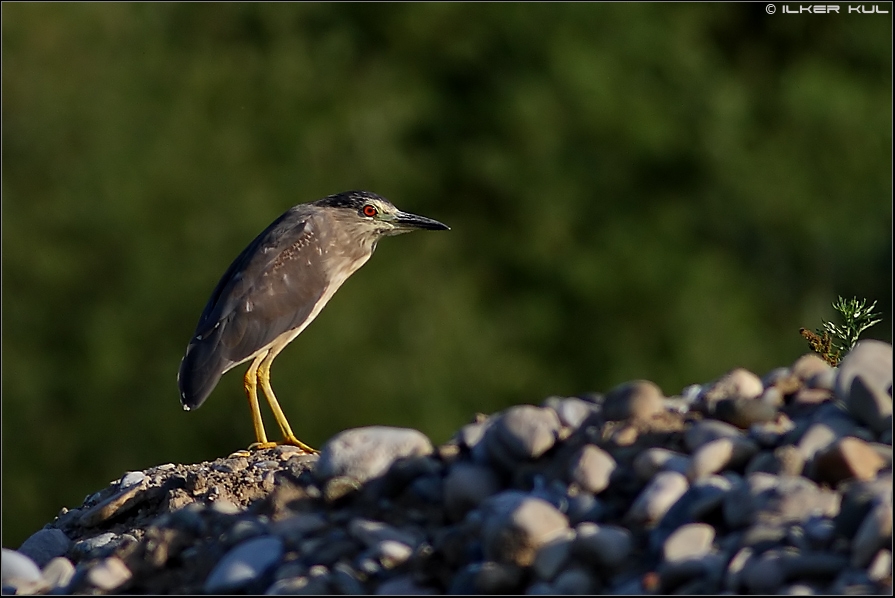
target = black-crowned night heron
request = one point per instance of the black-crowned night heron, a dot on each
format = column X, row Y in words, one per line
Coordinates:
column 277, row 286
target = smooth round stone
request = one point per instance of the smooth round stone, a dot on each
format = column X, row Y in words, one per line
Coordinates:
column 707, row 430
column 881, row 566
column 657, row 497
column 108, row 574
column 734, row 575
column 689, row 541
column 591, row 468
column 847, row 458
column 471, row 435
column 737, row 383
column 744, row 412
column 131, row 478
column 45, row 545
column 821, row 435
column 244, row 564
column 59, row 572
column 809, row 365
column 95, row 545
column 640, row 399
column 708, row 495
column 519, row 527
column 796, row 566
column 764, row 575
column 373, row 533
column 870, row 405
column 526, row 431
column 303, row 585
column 717, row 455
column 872, row 361
column 743, row 501
column 823, row 380
column 874, row 534
column 466, row 486
column 602, row 545
column 571, row 411
column 583, row 506
column 553, row 555
column 366, row 453
column 494, row 578
column 575, row 582
column 784, row 460
column 393, row 553
column 656, row 459
column 403, row 585
column 17, row 569
column 346, row 581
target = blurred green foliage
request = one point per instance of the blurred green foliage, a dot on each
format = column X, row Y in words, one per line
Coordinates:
column 660, row 191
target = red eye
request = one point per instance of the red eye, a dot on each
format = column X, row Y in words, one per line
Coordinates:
column 370, row 210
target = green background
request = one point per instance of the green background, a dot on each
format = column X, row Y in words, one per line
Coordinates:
column 660, row 191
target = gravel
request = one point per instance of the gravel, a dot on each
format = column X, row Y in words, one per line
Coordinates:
column 779, row 483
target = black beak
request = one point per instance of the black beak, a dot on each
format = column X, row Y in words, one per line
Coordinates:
column 412, row 221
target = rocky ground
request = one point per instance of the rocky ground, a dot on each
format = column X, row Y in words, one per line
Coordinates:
column 780, row 484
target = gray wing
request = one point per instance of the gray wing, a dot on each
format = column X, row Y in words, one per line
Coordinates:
column 269, row 289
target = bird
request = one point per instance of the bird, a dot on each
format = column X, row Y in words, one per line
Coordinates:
column 276, row 287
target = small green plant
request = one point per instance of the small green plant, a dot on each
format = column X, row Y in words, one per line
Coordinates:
column 834, row 341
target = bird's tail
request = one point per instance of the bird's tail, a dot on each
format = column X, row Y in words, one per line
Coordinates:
column 200, row 369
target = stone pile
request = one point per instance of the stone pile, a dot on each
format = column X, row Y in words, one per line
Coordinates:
column 780, row 484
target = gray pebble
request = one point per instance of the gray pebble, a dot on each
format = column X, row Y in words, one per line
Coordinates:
column 707, row 430
column 372, row 533
column 572, row 411
column 18, row 569
column 553, row 555
column 735, row 384
column 657, row 497
column 719, row 454
column 131, row 478
column 744, row 412
column 466, row 486
column 874, row 534
column 244, row 564
column 809, row 365
column 44, row 545
column 602, row 545
column 575, row 582
column 519, row 527
column 403, row 585
column 639, row 399
column 656, row 459
column 870, row 405
column 95, row 546
column 821, row 435
column 872, row 361
column 300, row 586
column 366, row 453
column 690, row 541
column 847, row 458
column 526, row 431
column 392, row 553
column 108, row 574
column 881, row 566
column 764, row 575
column 58, row 573
column 591, row 468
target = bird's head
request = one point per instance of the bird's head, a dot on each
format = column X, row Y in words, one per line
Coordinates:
column 371, row 214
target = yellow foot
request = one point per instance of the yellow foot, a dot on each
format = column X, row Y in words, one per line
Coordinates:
column 296, row 442
column 257, row 446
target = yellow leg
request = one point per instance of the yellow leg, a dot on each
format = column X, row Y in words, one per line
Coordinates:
column 285, row 428
column 251, row 387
